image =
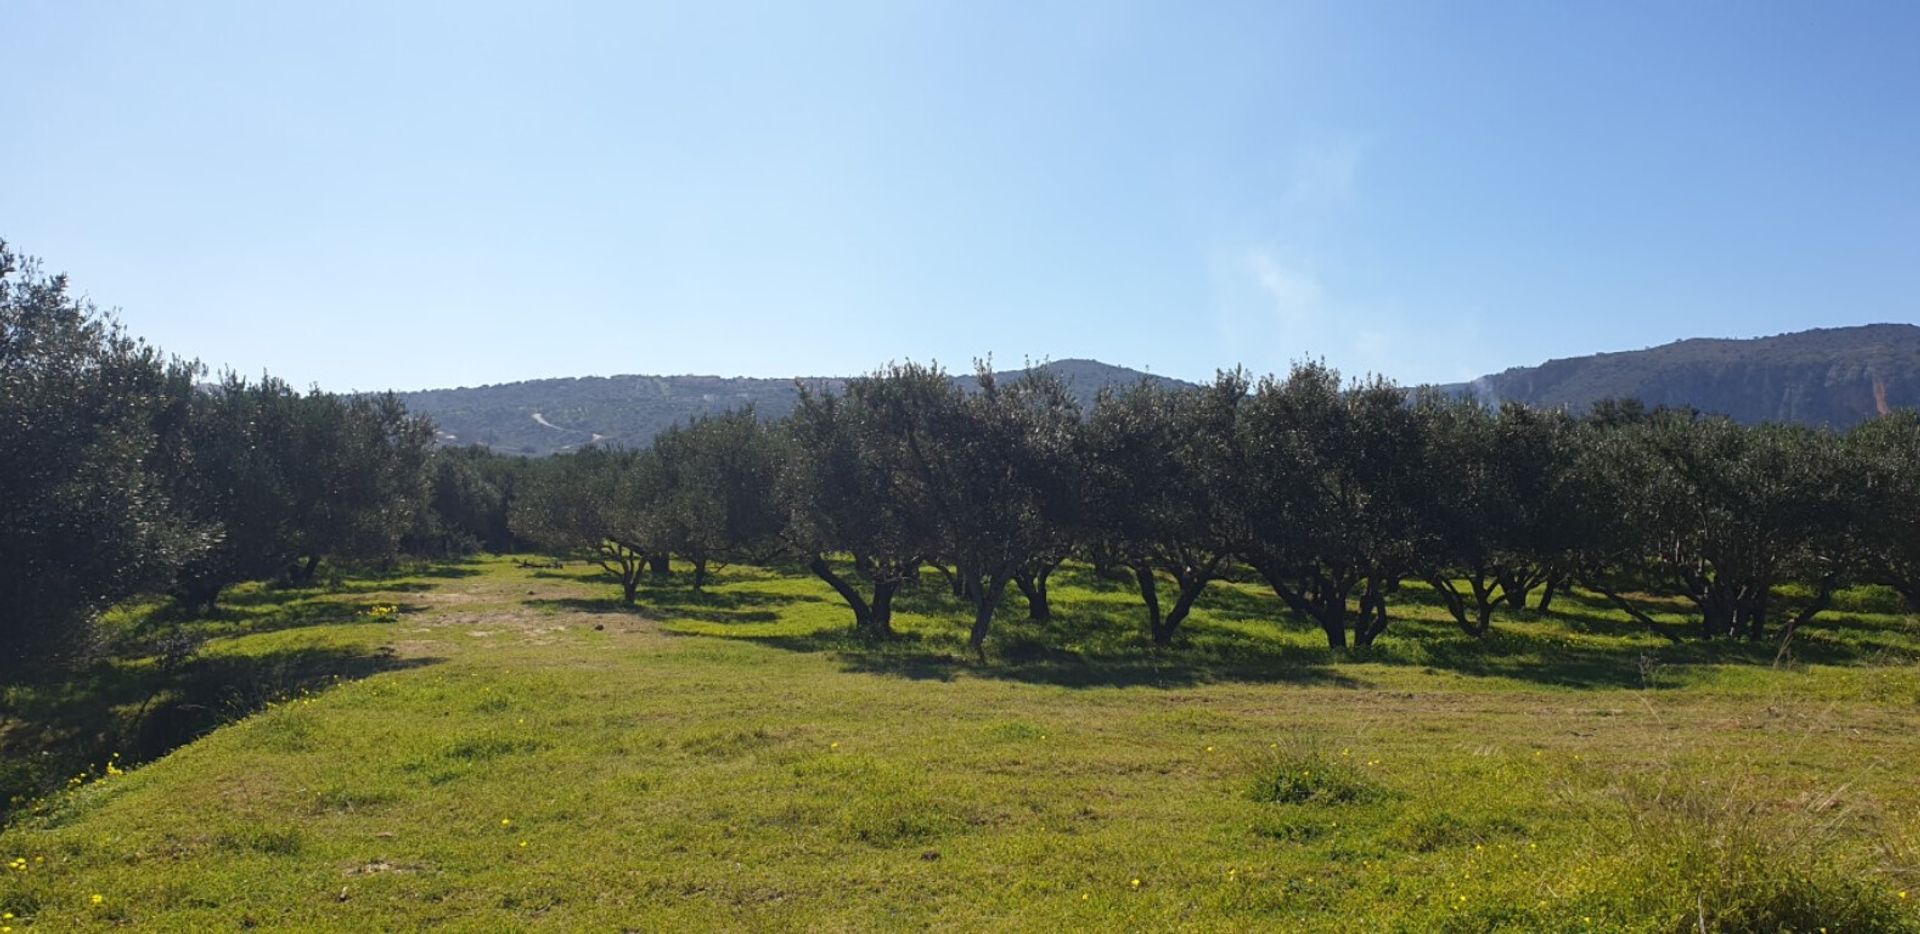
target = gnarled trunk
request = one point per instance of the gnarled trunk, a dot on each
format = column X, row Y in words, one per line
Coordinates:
column 986, row 596
column 1150, row 595
column 1474, row 618
column 625, row 563
column 1514, row 587
column 1372, row 619
column 1822, row 598
column 1317, row 596
column 1034, row 588
column 301, row 574
column 197, row 597
column 1552, row 588
column 865, row 617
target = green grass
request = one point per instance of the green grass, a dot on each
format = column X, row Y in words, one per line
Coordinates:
column 513, row 750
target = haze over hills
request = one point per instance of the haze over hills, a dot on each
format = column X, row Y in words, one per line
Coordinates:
column 1832, row 376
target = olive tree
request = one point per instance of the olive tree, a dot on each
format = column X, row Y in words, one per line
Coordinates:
column 843, row 496
column 91, row 429
column 1159, row 490
column 716, row 490
column 1329, row 481
column 1718, row 514
column 1494, row 505
column 1883, row 461
column 595, row 502
column 291, row 478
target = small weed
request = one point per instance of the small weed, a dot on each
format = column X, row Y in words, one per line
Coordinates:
column 273, row 841
column 1300, row 774
column 1435, row 830
column 485, row 748
column 727, row 744
column 1015, row 730
column 348, row 800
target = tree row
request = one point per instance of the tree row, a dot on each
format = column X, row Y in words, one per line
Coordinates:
column 1334, row 494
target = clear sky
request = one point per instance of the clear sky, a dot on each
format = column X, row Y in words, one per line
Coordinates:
column 368, row 195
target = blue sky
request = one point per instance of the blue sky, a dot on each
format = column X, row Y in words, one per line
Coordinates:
column 373, row 195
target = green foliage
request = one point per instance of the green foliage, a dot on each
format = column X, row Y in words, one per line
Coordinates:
column 1158, row 497
column 715, row 494
column 595, row 502
column 1884, row 469
column 1331, row 481
column 1500, row 500
column 91, row 428
column 290, row 478
column 1719, row 515
column 469, row 501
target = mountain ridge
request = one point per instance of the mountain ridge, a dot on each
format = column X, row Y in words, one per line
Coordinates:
column 1824, row 376
column 546, row 416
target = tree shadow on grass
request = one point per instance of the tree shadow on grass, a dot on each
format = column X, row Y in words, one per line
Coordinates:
column 593, row 605
column 680, row 601
column 674, row 598
column 236, row 619
column 913, row 658
column 271, row 596
column 1091, row 670
column 732, row 598
column 1241, row 633
column 1084, row 647
column 132, row 710
column 446, row 572
column 1083, row 577
column 586, row 574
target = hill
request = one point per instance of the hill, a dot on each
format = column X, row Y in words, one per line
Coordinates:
column 1827, row 376
column 549, row 415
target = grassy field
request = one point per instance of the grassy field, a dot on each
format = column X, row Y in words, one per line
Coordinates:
column 507, row 748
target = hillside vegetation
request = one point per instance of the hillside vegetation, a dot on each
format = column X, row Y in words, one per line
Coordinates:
column 631, row 410
column 512, row 750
